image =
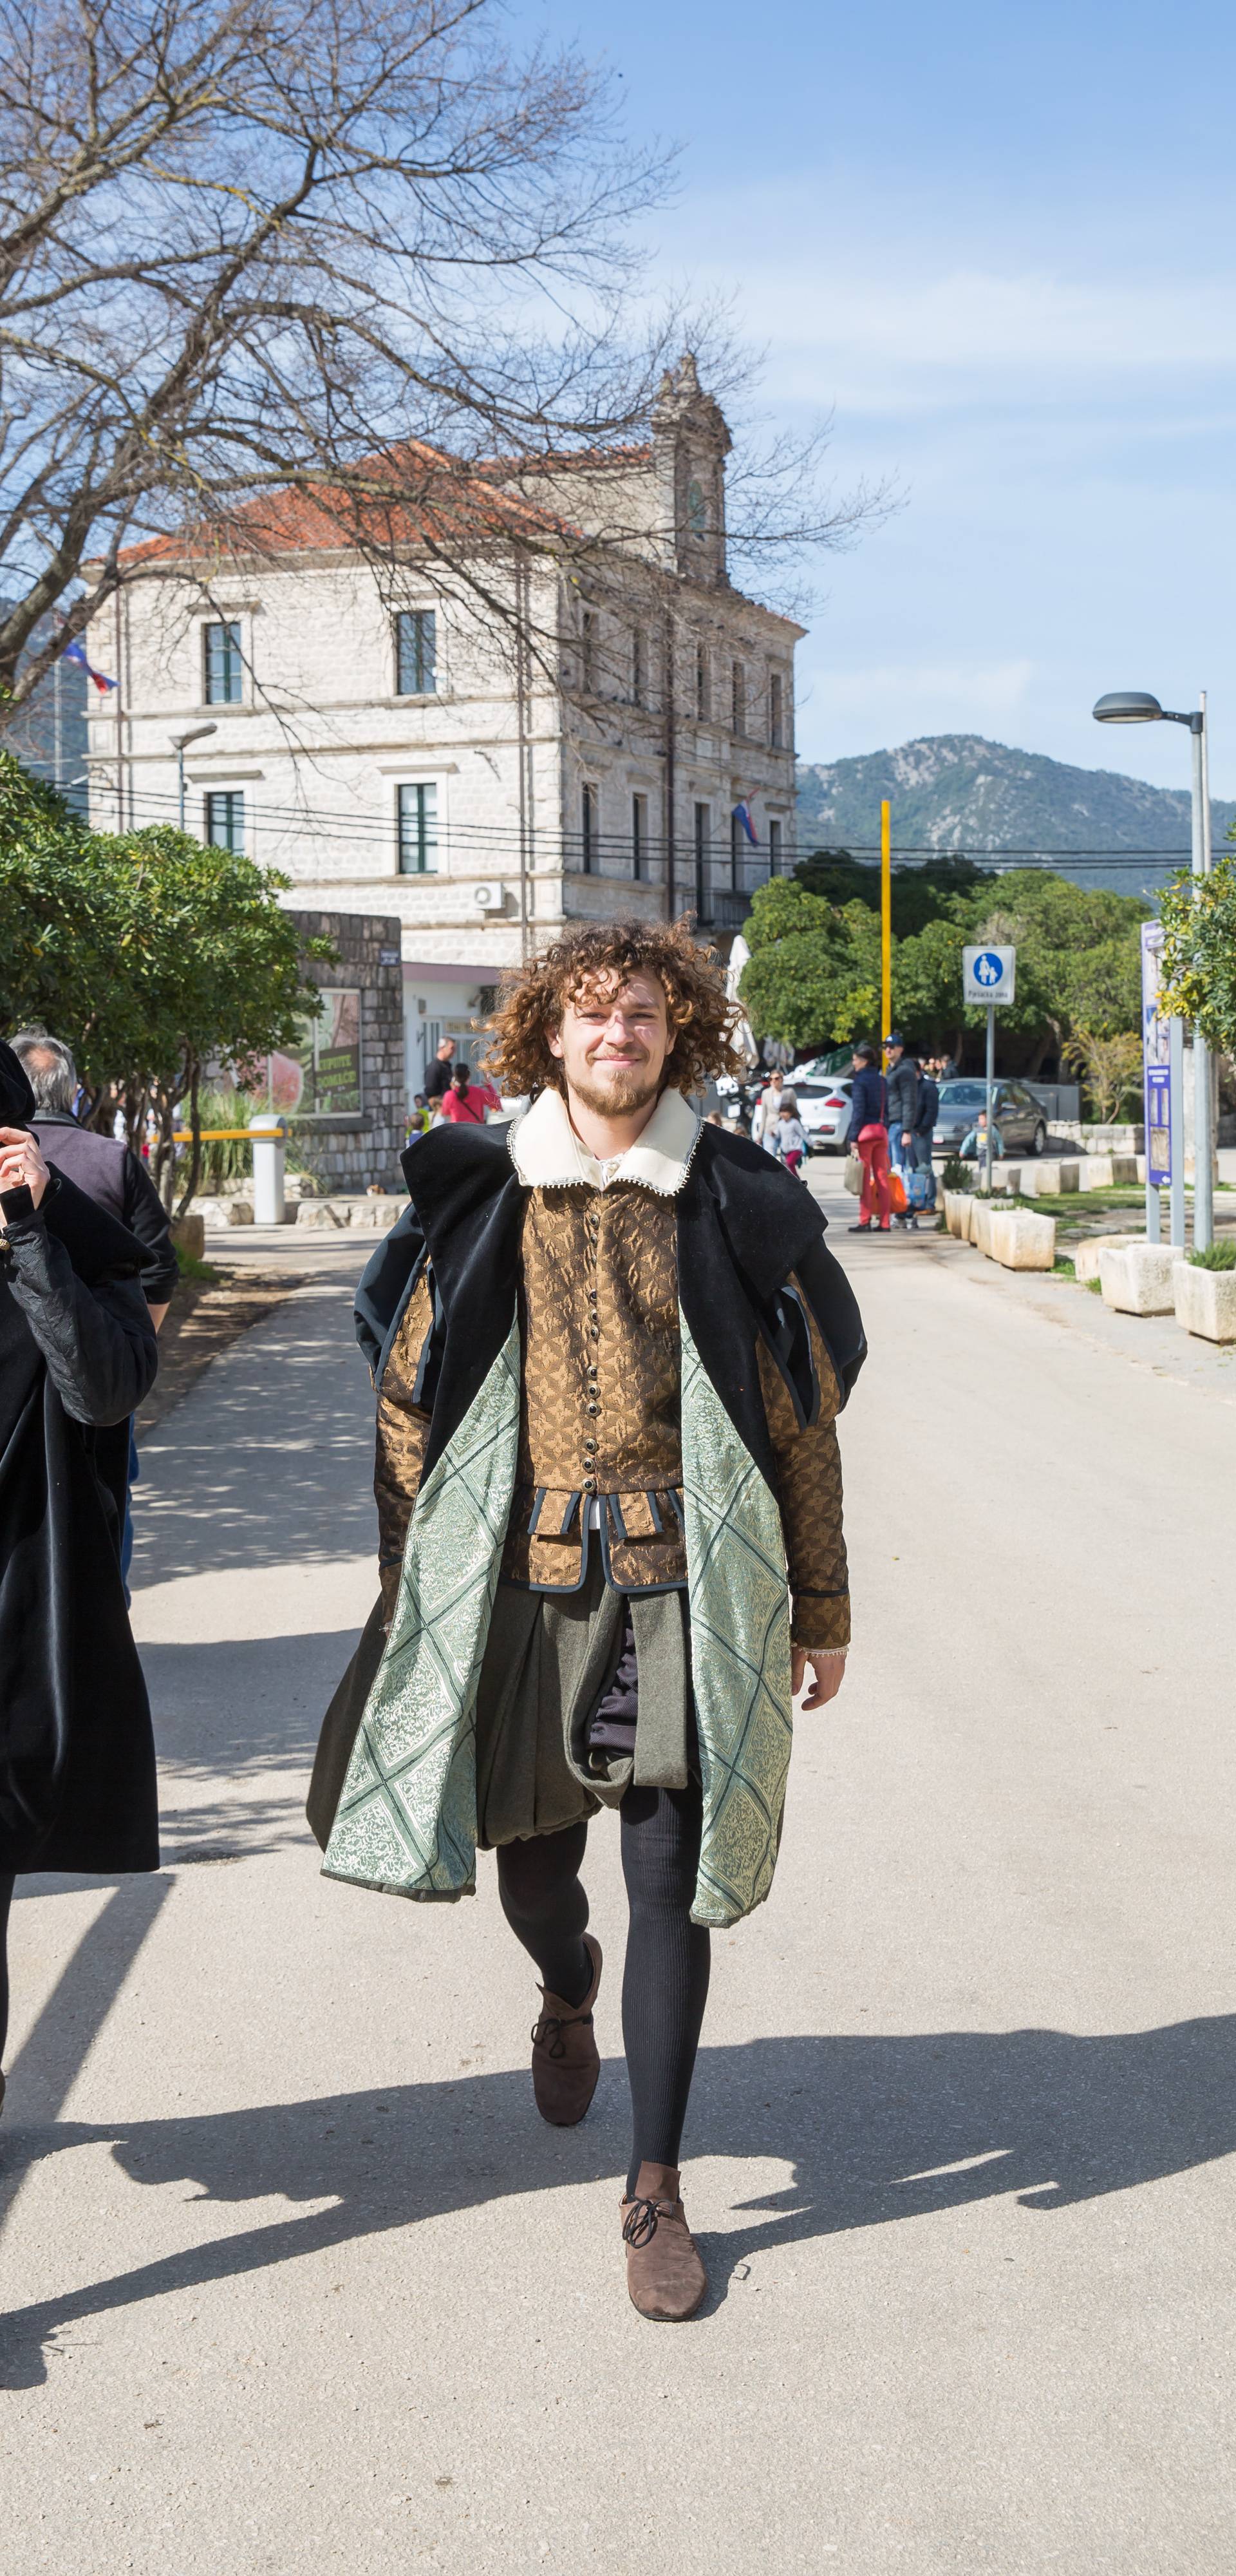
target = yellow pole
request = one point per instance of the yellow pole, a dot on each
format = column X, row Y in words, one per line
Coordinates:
column 886, row 928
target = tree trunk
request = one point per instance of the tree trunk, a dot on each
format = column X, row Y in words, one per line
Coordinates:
column 195, row 1149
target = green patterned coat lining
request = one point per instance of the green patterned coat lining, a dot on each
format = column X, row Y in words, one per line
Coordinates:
column 406, row 1822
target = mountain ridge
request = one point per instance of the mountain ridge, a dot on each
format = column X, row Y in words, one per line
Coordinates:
column 991, row 801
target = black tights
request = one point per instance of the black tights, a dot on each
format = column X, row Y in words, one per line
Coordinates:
column 6, row 1899
column 665, row 1981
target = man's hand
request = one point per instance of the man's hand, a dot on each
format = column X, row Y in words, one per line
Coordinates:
column 906, row 1136
column 827, row 1676
column 21, row 1164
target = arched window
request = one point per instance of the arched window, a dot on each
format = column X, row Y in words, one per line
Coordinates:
column 697, row 510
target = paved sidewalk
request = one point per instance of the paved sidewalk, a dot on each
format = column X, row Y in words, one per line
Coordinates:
column 295, row 2279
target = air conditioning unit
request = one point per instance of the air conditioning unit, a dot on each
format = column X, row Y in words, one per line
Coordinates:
column 489, row 898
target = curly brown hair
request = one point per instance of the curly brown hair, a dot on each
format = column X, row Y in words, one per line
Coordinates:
column 533, row 999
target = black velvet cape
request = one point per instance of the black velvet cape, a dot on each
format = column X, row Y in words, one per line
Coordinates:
column 77, row 1352
column 744, row 1225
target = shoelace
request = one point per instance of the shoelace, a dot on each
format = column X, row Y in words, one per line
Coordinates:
column 642, row 2219
column 550, row 2028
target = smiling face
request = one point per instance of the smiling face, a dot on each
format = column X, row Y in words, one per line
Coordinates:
column 612, row 1042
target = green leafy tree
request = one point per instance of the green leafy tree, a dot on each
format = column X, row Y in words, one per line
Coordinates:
column 1198, row 969
column 918, row 893
column 814, row 973
column 153, row 957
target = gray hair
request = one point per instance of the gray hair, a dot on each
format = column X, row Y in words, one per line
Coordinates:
column 50, row 1070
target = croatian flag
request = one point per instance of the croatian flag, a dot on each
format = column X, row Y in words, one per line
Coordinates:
column 77, row 653
column 743, row 812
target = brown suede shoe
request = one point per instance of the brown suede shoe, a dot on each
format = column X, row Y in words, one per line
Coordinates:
column 565, row 2060
column 665, row 2276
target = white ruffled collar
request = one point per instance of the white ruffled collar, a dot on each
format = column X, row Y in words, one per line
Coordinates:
column 548, row 1155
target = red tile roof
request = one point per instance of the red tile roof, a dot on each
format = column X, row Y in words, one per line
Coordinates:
column 414, row 494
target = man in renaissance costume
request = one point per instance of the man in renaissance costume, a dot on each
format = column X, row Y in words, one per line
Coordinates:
column 609, row 1348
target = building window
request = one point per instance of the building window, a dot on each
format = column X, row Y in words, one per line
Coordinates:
column 639, row 668
column 697, row 510
column 225, row 819
column 589, row 851
column 701, row 681
column 774, row 848
column 416, row 652
column 418, row 831
column 223, row 670
column 639, row 836
column 738, row 699
column 588, row 651
column 737, row 837
column 703, row 909
column 776, row 713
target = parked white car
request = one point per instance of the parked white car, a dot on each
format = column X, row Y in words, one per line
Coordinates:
column 823, row 1110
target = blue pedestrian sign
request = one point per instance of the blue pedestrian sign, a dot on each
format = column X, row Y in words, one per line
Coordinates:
column 989, row 976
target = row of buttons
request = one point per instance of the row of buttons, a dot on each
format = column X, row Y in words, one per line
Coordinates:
column 591, row 1230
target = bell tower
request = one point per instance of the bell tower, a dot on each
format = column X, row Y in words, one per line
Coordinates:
column 690, row 445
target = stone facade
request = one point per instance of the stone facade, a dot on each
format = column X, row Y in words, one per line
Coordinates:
column 594, row 707
column 353, row 1151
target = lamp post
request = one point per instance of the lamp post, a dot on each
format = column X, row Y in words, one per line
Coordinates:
column 180, row 744
column 1134, row 706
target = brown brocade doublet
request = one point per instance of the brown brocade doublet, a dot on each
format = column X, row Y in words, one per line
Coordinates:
column 598, row 1314
column 599, row 1414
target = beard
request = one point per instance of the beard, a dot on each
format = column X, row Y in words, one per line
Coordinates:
column 631, row 1088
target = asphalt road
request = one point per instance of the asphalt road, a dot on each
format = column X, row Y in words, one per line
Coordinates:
column 294, row 2279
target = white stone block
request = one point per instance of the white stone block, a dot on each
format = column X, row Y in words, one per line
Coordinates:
column 1125, row 1170
column 1021, row 1239
column 322, row 1215
column 1138, row 1280
column 1098, row 1172
column 376, row 1216
column 1086, row 1255
column 1055, row 1177
column 982, row 1212
column 1006, row 1176
column 957, row 1214
column 1206, row 1301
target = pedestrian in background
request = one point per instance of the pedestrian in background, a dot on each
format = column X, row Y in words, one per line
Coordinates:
column 418, row 1119
column 973, row 1145
column 902, row 1107
column 868, row 1134
column 77, row 1355
column 791, row 1138
column 466, row 1101
column 925, row 1131
column 112, row 1176
column 438, row 1074
column 768, row 1110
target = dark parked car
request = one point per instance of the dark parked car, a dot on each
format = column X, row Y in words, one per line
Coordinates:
column 1019, row 1116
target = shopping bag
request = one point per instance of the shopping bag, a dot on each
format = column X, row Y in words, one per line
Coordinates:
column 897, row 1192
column 852, row 1176
column 918, row 1187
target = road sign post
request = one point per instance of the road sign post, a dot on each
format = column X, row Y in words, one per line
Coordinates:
column 989, row 979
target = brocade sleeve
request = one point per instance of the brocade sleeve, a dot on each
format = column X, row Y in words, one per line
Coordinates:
column 808, row 1463
column 402, row 1439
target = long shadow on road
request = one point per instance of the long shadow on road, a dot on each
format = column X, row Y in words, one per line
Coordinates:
column 869, row 2126
column 270, row 1458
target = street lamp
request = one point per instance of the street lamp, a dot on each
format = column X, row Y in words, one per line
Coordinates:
column 180, row 744
column 1135, row 706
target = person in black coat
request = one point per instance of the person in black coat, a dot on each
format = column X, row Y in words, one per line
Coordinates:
column 108, row 1171
column 77, row 1352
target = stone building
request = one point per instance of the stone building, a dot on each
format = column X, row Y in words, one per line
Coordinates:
column 568, row 713
column 354, row 1078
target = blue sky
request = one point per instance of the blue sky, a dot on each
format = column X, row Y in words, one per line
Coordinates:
column 998, row 243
